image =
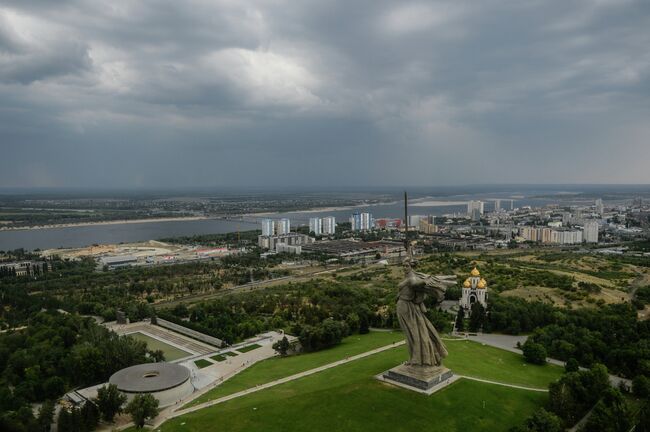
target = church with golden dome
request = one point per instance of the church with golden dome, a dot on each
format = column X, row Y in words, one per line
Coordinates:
column 474, row 290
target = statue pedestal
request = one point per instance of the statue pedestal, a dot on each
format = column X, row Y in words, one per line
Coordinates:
column 424, row 379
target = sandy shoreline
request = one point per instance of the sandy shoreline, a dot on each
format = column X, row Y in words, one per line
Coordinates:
column 420, row 202
column 435, row 203
column 112, row 222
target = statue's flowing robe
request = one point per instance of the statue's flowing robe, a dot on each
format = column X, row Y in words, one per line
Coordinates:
column 424, row 344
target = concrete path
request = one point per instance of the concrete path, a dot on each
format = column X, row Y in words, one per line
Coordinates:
column 509, row 343
column 182, row 411
column 504, row 384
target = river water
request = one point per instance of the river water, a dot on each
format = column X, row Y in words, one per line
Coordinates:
column 79, row 236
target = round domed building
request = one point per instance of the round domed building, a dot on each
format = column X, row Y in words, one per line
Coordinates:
column 167, row 382
column 474, row 290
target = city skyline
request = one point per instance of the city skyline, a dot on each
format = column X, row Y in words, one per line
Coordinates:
column 190, row 94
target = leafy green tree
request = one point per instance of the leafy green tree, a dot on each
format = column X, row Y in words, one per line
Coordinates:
column 611, row 414
column 641, row 386
column 45, row 416
column 282, row 346
column 643, row 425
column 544, row 421
column 53, row 387
column 110, row 401
column 477, row 317
column 142, row 407
column 364, row 324
column 157, row 355
column 576, row 392
column 534, row 353
column 460, row 320
column 540, row 421
column 572, row 365
column 89, row 414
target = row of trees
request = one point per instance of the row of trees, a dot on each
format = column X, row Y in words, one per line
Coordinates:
column 237, row 317
column 574, row 395
column 611, row 335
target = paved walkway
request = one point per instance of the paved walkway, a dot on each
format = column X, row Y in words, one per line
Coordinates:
column 183, row 411
column 501, row 341
column 504, row 384
column 281, row 381
column 509, row 343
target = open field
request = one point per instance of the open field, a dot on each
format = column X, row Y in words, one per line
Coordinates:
column 533, row 275
column 277, row 367
column 465, row 358
column 171, row 352
column 349, row 398
column 486, row 362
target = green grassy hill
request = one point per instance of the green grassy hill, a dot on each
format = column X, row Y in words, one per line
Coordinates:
column 348, row 397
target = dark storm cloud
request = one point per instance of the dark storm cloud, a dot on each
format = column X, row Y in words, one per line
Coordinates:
column 157, row 93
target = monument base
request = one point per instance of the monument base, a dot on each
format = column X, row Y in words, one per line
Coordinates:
column 425, row 379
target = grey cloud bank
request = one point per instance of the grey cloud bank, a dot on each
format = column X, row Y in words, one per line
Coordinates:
column 227, row 93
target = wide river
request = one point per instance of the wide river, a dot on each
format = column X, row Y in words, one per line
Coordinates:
column 79, row 236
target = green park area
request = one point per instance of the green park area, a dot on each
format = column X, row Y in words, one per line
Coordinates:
column 278, row 367
column 201, row 363
column 248, row 348
column 465, row 358
column 348, row 397
column 170, row 352
column 481, row 361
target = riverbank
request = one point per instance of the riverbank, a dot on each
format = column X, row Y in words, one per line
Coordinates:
column 111, row 222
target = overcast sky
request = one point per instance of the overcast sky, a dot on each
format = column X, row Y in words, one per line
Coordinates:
column 159, row 93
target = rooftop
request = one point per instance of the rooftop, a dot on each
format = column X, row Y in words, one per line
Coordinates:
column 150, row 377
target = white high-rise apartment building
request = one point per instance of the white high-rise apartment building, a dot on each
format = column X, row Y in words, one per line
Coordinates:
column 315, row 225
column 590, row 232
column 268, row 227
column 473, row 206
column 600, row 208
column 283, row 226
column 328, row 225
column 366, row 221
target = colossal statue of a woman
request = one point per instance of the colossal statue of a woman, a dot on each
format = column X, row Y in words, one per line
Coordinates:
column 424, row 344
column 424, row 370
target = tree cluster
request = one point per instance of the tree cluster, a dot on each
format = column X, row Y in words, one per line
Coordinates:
column 55, row 353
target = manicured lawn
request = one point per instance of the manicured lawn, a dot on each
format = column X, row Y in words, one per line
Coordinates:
column 465, row 358
column 482, row 361
column 276, row 367
column 231, row 354
column 218, row 357
column 201, row 363
column 348, row 398
column 171, row 352
column 248, row 348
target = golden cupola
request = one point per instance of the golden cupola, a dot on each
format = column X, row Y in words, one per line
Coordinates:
column 475, row 272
